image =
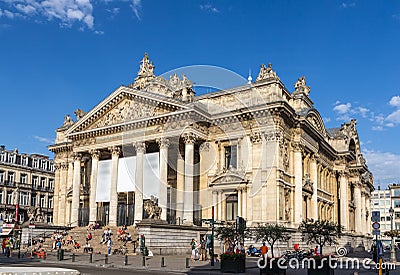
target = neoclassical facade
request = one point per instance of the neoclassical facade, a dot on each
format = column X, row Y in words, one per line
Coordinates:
column 258, row 151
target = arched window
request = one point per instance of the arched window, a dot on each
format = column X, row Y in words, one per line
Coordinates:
column 352, row 146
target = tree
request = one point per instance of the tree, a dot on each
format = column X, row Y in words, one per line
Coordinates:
column 232, row 232
column 271, row 233
column 320, row 232
column 392, row 233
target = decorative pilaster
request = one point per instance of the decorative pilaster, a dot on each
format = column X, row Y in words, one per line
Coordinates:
column 189, row 140
column 344, row 205
column 115, row 152
column 298, row 181
column 57, row 173
column 219, row 212
column 76, row 185
column 163, row 185
column 314, row 180
column 363, row 219
column 357, row 202
column 244, row 202
column 140, row 150
column 93, row 186
column 257, row 162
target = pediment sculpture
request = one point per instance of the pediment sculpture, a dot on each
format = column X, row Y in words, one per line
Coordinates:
column 307, row 183
column 301, row 86
column 151, row 209
column 266, row 73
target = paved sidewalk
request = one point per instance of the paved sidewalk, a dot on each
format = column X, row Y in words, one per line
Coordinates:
column 173, row 263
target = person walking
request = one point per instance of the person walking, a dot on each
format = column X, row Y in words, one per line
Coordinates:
column 264, row 250
column 109, row 245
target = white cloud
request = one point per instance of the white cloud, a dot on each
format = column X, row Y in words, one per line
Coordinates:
column 136, row 7
column 67, row 12
column 209, row 8
column 395, row 101
column 348, row 5
column 394, row 117
column 342, row 108
column 385, row 166
column 363, row 111
column 43, row 139
column 326, row 119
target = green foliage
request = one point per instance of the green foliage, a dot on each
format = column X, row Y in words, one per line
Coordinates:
column 232, row 256
column 228, row 231
column 392, row 233
column 271, row 233
column 320, row 232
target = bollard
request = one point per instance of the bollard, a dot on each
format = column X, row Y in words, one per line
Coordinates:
column 73, row 257
column 106, row 259
column 160, row 250
column 19, row 254
column 126, row 260
column 162, row 262
column 187, row 263
column 44, row 256
column 91, row 258
column 144, row 261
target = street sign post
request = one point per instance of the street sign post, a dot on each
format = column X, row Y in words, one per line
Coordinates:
column 376, row 225
column 376, row 216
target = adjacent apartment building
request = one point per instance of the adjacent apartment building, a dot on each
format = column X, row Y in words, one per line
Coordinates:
column 382, row 200
column 26, row 187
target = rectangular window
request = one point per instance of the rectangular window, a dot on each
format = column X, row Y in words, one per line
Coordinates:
column 3, row 157
column 11, row 158
column 42, row 201
column 42, row 183
column 24, row 178
column 231, row 207
column 35, row 181
column 33, row 200
column 230, row 157
column 388, row 218
column 396, row 203
column 51, row 184
column 24, row 160
column 43, row 165
column 35, row 163
column 397, row 215
column 23, row 198
column 382, row 219
column 1, row 197
column 2, row 178
column 11, row 177
column 50, row 202
column 9, row 198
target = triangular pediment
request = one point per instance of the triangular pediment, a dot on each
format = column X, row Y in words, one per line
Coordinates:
column 123, row 106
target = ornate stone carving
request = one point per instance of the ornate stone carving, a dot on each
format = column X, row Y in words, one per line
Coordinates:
column 266, row 73
column 145, row 73
column 35, row 214
column 307, row 183
column 151, row 209
column 163, row 142
column 68, row 121
column 256, row 137
column 95, row 153
column 79, row 114
column 205, row 147
column 77, row 156
column 115, row 150
column 297, row 146
column 127, row 111
column 189, row 138
column 140, row 147
column 301, row 87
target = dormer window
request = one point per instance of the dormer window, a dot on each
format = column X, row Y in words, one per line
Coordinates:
column 230, row 157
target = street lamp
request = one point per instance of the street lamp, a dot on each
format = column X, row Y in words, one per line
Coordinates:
column 392, row 251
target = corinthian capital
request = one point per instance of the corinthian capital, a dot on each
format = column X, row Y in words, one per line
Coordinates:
column 95, row 153
column 77, row 156
column 115, row 150
column 163, row 142
column 256, row 137
column 297, row 146
column 189, row 138
column 140, row 147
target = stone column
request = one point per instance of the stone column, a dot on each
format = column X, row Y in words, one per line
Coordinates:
column 357, row 202
column 76, row 186
column 189, row 140
column 314, row 180
column 219, row 212
column 239, row 192
column 115, row 151
column 180, row 186
column 62, row 185
column 344, row 204
column 368, row 213
column 57, row 168
column 162, row 200
column 140, row 150
column 363, row 220
column 244, row 202
column 215, row 202
column 256, row 187
column 93, row 186
column 298, row 181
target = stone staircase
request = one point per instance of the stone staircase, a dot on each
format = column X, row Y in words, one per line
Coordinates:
column 79, row 234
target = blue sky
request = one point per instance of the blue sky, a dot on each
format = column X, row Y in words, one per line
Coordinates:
column 60, row 55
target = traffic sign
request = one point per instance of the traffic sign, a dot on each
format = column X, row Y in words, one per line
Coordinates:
column 376, row 216
column 32, row 226
column 376, row 232
column 376, row 225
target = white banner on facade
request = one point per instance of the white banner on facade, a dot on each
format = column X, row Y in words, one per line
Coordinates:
column 103, row 181
column 151, row 180
column 126, row 174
